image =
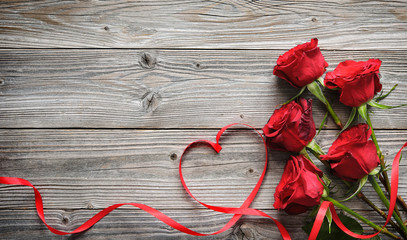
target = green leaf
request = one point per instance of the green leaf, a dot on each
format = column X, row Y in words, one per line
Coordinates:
column 362, row 109
column 382, row 106
column 376, row 170
column 296, row 96
column 322, row 123
column 362, row 183
column 321, row 81
column 325, row 185
column 314, row 147
column 316, row 91
column 381, row 97
column 336, row 232
column 350, row 120
column 329, row 219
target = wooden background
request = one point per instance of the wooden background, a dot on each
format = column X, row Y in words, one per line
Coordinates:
column 99, row 98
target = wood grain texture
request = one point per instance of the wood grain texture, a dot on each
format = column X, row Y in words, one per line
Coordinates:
column 166, row 88
column 99, row 98
column 131, row 224
column 134, row 224
column 232, row 24
column 80, row 172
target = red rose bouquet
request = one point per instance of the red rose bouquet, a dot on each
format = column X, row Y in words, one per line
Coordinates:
column 353, row 157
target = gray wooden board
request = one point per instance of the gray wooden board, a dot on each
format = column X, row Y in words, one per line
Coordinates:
column 171, row 89
column 134, row 224
column 142, row 79
column 81, row 171
column 200, row 24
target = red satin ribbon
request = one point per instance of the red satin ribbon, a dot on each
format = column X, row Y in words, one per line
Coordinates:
column 325, row 205
column 238, row 212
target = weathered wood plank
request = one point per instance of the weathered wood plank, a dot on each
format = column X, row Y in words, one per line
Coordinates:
column 96, row 168
column 203, row 24
column 81, row 171
column 133, row 223
column 130, row 224
column 134, row 164
column 164, row 88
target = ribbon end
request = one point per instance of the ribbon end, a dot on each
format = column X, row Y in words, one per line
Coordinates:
column 217, row 147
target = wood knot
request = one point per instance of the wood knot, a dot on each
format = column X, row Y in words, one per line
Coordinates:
column 251, row 173
column 106, row 28
column 244, row 231
column 241, row 116
column 314, row 19
column 151, row 101
column 89, row 206
column 197, row 65
column 147, row 61
column 173, row 156
column 65, row 220
column 2, row 81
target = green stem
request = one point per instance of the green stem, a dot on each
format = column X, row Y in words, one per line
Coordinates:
column 358, row 216
column 333, row 114
column 362, row 109
column 317, row 92
column 400, row 200
column 314, row 147
column 379, row 152
column 363, row 197
column 305, row 154
column 316, row 150
column 386, row 202
column 383, row 214
column 364, row 113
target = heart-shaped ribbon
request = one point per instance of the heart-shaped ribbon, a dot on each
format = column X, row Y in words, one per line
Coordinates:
column 238, row 212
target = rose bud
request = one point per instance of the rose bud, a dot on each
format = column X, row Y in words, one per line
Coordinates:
column 358, row 81
column 299, row 188
column 301, row 65
column 291, row 127
column 352, row 156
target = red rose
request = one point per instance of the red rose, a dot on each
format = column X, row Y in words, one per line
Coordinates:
column 352, row 156
column 291, row 127
column 357, row 81
column 299, row 188
column 301, row 65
